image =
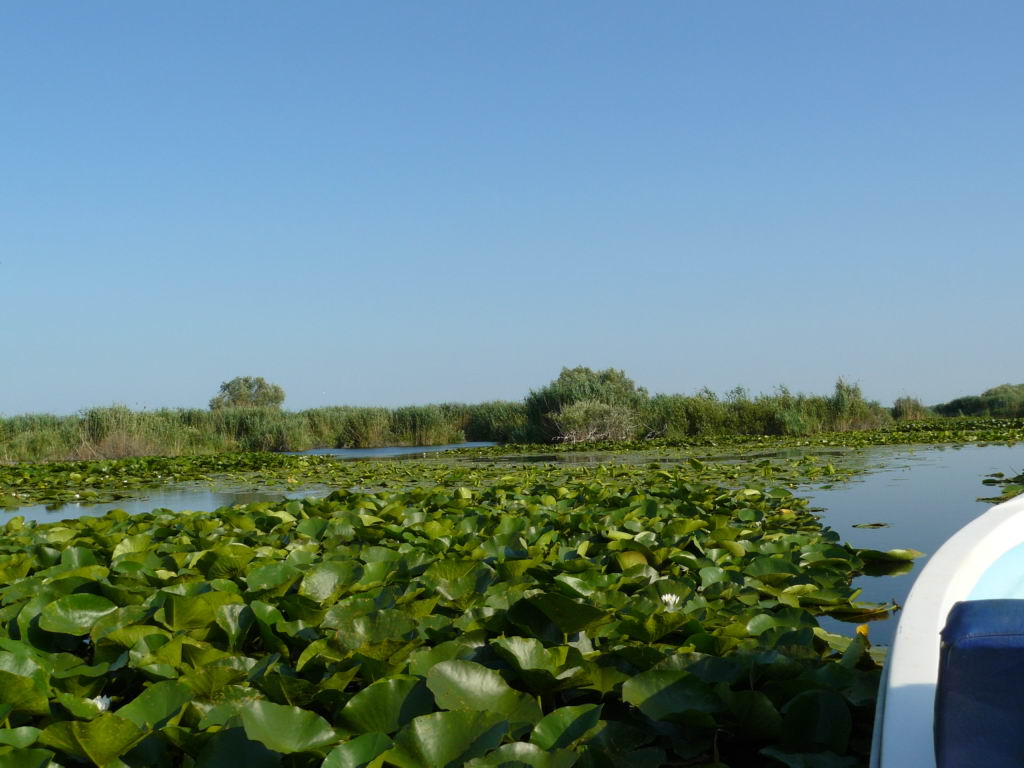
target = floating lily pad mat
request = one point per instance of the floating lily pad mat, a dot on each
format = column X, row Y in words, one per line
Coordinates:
column 548, row 615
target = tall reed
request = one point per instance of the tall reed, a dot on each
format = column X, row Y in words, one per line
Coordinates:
column 613, row 406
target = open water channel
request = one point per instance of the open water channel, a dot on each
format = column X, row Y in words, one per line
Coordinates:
column 922, row 495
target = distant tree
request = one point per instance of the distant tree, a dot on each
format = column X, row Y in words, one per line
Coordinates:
column 1004, row 401
column 611, row 387
column 248, row 392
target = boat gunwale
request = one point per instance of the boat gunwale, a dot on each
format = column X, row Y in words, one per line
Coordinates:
column 903, row 733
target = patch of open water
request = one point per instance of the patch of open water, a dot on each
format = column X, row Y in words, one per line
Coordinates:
column 924, row 495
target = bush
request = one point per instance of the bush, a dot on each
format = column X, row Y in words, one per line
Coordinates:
column 1005, row 401
column 590, row 420
column 573, row 385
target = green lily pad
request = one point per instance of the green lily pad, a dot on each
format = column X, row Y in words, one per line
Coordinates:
column 75, row 614
column 286, row 729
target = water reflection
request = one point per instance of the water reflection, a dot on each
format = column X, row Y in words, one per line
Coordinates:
column 177, row 498
column 922, row 496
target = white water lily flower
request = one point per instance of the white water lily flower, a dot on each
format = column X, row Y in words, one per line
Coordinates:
column 102, row 702
column 671, row 601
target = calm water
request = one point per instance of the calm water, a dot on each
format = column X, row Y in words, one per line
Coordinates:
column 924, row 495
column 185, row 496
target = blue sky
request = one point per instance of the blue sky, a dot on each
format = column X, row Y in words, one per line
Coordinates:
column 408, row 202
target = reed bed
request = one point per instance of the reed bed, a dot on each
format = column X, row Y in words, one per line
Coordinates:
column 580, row 405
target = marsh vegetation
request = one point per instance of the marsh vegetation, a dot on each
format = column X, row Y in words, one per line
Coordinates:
column 438, row 614
column 666, row 602
column 580, row 405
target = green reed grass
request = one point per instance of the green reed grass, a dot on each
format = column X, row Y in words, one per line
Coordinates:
column 545, row 414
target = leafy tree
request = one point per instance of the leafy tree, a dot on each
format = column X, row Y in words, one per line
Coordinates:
column 248, row 392
column 611, row 387
column 1004, row 401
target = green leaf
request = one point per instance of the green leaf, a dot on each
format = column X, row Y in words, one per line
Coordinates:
column 541, row 670
column 551, row 616
column 272, row 576
column 286, row 729
column 101, row 740
column 75, row 614
column 669, row 694
column 387, row 705
column 326, row 581
column 26, row 758
column 466, row 685
column 182, row 613
column 755, row 715
column 564, row 726
column 235, row 619
column 156, row 704
column 22, row 694
column 130, row 544
column 230, row 749
column 892, row 555
column 519, row 753
column 816, row 720
column 359, row 752
column 19, row 737
column 313, row 527
column 712, row 575
column 446, row 739
column 455, row 579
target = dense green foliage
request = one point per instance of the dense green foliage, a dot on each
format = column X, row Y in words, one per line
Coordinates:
column 247, row 392
column 1004, row 401
column 580, row 406
column 106, row 480
column 91, row 482
column 780, row 413
column 483, row 616
column 118, row 431
column 910, row 409
column 928, row 432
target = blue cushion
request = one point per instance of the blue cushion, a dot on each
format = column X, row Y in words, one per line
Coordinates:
column 979, row 701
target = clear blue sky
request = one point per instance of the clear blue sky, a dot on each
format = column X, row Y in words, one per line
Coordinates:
column 409, row 202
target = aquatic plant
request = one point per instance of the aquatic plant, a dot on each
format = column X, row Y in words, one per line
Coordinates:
column 549, row 616
column 910, row 409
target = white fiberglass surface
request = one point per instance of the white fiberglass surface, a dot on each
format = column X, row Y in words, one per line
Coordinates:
column 1003, row 579
column 953, row 573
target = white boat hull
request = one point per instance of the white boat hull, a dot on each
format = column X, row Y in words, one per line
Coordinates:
column 984, row 559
